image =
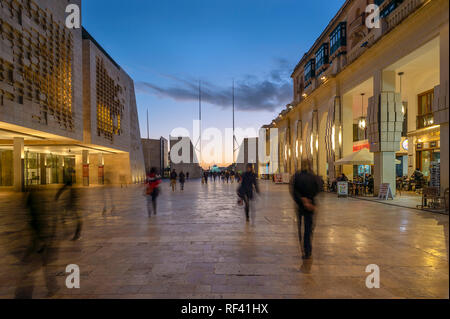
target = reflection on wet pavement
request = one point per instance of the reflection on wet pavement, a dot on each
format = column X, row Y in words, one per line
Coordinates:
column 199, row 246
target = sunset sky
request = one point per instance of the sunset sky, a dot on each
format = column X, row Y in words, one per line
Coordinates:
column 167, row 47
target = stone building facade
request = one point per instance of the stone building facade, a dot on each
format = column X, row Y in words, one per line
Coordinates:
column 156, row 154
column 67, row 110
column 385, row 89
column 183, row 157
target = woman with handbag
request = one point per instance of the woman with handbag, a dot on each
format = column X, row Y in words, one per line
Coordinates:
column 152, row 190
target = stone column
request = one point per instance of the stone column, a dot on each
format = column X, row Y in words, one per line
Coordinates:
column 101, row 165
column 441, row 106
column 85, row 172
column 333, row 128
column 43, row 168
column 345, row 136
column 385, row 120
column 314, row 141
column 18, row 158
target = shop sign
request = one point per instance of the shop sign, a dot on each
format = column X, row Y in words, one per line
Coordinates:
column 385, row 192
column 359, row 146
column 278, row 178
column 433, row 144
column 405, row 144
column 342, row 188
column 419, row 146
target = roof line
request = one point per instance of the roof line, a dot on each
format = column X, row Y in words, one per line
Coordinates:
column 87, row 36
column 319, row 39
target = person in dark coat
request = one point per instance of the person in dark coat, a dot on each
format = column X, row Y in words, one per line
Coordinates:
column 182, row 179
column 304, row 189
column 247, row 188
column 173, row 180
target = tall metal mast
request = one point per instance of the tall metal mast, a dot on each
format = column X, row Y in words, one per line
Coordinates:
column 198, row 145
column 148, row 129
column 234, row 136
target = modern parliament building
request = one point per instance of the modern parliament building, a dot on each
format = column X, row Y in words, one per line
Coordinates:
column 385, row 89
column 67, row 109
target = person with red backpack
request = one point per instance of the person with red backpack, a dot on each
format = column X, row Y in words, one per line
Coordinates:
column 152, row 190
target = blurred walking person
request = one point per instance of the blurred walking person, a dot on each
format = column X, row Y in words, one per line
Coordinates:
column 205, row 177
column 152, row 190
column 108, row 195
column 247, row 188
column 173, row 180
column 43, row 246
column 182, row 179
column 71, row 206
column 304, row 189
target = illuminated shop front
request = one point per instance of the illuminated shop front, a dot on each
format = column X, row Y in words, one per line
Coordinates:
column 428, row 151
column 6, row 167
column 48, row 168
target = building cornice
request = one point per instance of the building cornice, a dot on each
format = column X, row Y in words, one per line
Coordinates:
column 323, row 35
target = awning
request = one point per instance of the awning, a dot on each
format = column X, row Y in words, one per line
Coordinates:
column 362, row 157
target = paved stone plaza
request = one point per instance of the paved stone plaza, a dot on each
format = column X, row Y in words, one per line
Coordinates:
column 199, row 246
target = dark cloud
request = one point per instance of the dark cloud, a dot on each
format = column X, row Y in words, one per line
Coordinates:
column 251, row 93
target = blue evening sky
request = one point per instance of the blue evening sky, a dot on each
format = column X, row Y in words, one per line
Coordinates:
column 167, row 46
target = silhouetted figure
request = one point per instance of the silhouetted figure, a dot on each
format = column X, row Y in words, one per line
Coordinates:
column 152, row 190
column 418, row 178
column 173, row 180
column 70, row 208
column 247, row 188
column 205, row 177
column 187, row 175
column 304, row 189
column 182, row 179
column 42, row 249
column 108, row 196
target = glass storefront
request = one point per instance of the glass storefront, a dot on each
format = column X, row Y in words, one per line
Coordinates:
column 6, row 168
column 46, row 169
column 426, row 154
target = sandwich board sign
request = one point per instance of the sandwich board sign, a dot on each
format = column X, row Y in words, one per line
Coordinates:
column 385, row 192
column 342, row 188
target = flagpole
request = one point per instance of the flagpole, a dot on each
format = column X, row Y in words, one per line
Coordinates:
column 148, row 129
column 234, row 136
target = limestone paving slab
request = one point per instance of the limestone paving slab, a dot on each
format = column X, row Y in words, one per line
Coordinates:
column 199, row 246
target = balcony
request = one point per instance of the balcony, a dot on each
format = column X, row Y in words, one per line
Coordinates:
column 358, row 23
column 401, row 13
column 361, row 47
